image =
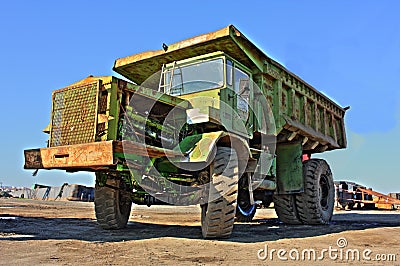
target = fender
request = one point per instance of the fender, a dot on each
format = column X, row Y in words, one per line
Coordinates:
column 201, row 148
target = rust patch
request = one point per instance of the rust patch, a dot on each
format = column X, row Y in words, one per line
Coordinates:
column 131, row 147
column 80, row 155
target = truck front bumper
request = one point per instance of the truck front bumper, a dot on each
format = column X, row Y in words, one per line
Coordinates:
column 91, row 156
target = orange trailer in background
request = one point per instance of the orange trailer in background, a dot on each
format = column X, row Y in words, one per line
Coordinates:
column 350, row 195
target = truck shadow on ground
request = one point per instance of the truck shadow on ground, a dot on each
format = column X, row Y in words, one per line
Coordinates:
column 18, row 228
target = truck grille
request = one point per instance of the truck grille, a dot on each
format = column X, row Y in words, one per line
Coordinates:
column 74, row 115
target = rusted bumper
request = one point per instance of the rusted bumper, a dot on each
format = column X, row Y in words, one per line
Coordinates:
column 90, row 156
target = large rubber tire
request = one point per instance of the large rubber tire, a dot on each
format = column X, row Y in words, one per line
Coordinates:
column 112, row 206
column 315, row 205
column 218, row 215
column 285, row 208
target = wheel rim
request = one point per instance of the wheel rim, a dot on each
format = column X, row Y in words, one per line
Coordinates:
column 246, row 211
column 244, row 205
column 324, row 192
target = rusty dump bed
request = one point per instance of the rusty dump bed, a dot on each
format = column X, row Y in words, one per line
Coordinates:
column 301, row 112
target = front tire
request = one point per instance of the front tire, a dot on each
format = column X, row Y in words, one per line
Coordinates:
column 218, row 215
column 112, row 205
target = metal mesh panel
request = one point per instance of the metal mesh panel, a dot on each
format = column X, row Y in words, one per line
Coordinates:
column 74, row 115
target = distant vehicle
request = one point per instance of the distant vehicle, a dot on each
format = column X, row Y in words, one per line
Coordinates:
column 350, row 195
column 215, row 122
column 5, row 194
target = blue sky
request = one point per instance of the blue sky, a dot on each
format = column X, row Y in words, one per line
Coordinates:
column 350, row 50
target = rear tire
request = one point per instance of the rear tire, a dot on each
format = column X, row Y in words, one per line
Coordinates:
column 315, row 205
column 285, row 208
column 112, row 206
column 218, row 215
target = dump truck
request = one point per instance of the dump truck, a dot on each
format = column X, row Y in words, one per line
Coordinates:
column 211, row 121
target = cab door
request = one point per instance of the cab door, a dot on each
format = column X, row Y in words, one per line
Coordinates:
column 242, row 103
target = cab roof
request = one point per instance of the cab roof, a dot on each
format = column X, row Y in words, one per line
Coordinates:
column 230, row 40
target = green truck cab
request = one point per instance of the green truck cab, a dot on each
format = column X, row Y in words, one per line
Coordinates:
column 211, row 120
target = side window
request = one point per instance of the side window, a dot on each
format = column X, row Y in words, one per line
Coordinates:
column 242, row 89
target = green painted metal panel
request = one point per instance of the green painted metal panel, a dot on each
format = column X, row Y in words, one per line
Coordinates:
column 289, row 168
column 113, row 110
column 199, row 147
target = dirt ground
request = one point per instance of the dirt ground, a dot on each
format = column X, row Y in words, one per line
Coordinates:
column 65, row 233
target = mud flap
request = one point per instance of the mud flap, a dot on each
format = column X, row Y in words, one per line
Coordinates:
column 289, row 168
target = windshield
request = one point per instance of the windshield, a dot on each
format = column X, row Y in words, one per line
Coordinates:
column 196, row 77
